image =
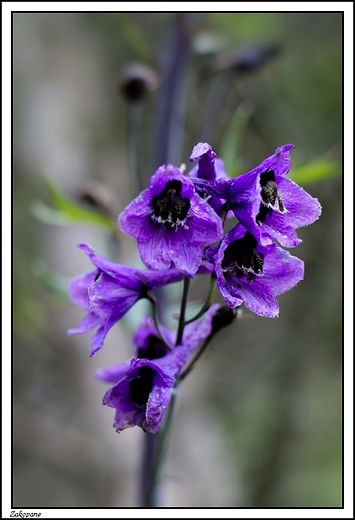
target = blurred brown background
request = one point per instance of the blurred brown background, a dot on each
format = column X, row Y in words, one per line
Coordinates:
column 259, row 422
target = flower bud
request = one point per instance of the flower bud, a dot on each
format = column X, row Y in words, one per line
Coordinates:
column 248, row 59
column 224, row 317
column 136, row 81
column 99, row 197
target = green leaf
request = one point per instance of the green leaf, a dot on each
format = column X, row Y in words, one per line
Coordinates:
column 45, row 214
column 67, row 211
column 315, row 171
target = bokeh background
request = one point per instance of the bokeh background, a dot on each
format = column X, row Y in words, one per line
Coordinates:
column 259, row 422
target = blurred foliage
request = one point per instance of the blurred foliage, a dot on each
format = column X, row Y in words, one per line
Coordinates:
column 274, row 386
column 67, row 211
column 316, row 171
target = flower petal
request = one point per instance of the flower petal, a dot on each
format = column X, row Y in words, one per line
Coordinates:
column 88, row 323
column 127, row 413
column 302, row 208
column 78, row 289
column 157, row 406
column 113, row 373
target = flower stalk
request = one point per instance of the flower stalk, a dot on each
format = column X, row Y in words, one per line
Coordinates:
column 155, row 447
column 182, row 322
column 178, row 224
column 207, row 303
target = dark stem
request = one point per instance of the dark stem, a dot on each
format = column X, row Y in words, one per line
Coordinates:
column 194, row 359
column 167, row 148
column 171, row 102
column 183, row 310
column 155, row 445
column 224, row 317
column 155, row 318
column 148, row 493
column 224, row 212
column 215, row 105
column 207, row 303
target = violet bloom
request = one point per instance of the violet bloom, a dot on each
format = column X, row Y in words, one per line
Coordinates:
column 275, row 205
column 144, row 385
column 171, row 222
column 208, row 170
column 108, row 292
column 254, row 274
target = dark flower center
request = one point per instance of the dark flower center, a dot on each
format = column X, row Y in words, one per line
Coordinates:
column 241, row 258
column 155, row 349
column 169, row 207
column 271, row 199
column 140, row 387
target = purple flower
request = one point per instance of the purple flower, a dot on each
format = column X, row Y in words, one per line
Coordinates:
column 144, row 385
column 275, row 205
column 109, row 291
column 254, row 274
column 208, row 170
column 171, row 222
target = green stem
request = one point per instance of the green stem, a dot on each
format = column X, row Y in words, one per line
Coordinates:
column 183, row 310
column 207, row 303
column 194, row 359
column 224, row 317
column 155, row 319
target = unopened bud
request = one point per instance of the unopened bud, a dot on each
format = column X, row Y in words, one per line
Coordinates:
column 224, row 317
column 136, row 81
column 99, row 196
column 248, row 59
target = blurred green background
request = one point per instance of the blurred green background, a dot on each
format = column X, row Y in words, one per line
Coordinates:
column 259, row 422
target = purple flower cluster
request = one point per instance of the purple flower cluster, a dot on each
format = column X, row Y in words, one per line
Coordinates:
column 250, row 266
column 178, row 223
